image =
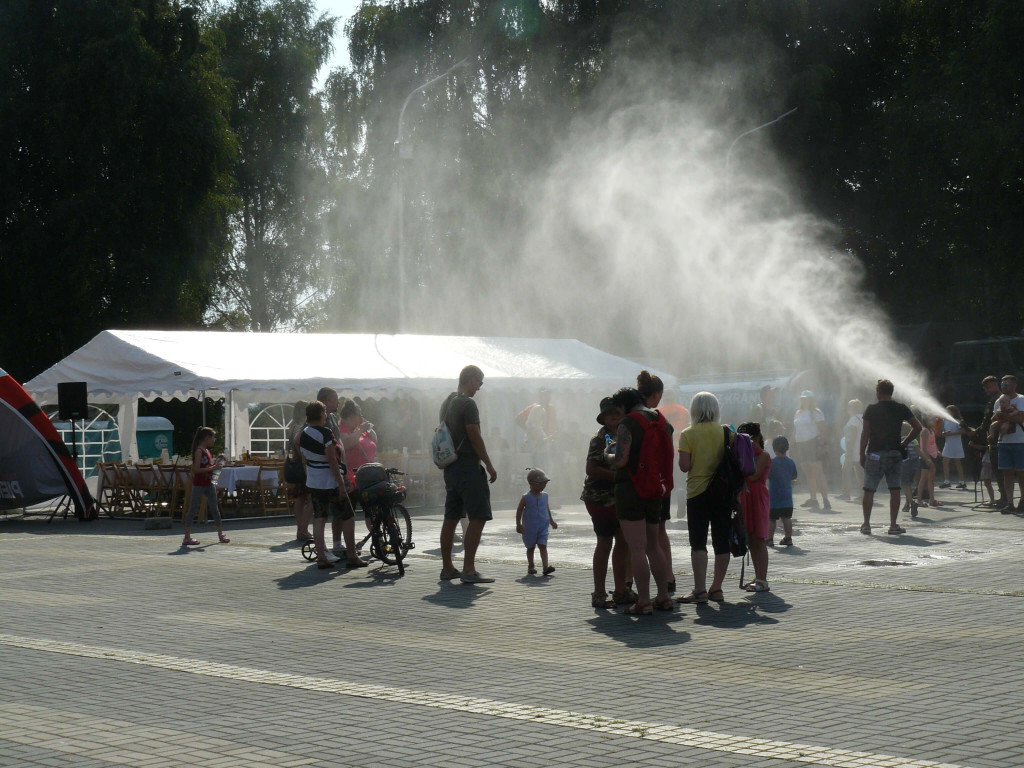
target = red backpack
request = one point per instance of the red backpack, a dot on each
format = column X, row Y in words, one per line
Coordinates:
column 652, row 478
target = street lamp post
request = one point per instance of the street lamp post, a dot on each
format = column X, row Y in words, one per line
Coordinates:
column 728, row 154
column 405, row 153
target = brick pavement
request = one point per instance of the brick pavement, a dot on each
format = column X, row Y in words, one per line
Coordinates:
column 116, row 649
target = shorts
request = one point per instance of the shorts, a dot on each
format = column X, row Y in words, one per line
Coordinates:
column 606, row 523
column 326, row 501
column 909, row 469
column 704, row 510
column 297, row 491
column 887, row 465
column 630, row 507
column 666, row 509
column 467, row 493
column 1011, row 456
column 807, row 451
column 780, row 512
column 535, row 534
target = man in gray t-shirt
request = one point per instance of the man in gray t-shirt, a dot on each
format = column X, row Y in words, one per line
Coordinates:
column 458, row 411
column 882, row 451
column 465, row 484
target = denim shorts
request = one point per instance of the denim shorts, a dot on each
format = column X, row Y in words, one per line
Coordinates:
column 909, row 470
column 887, row 465
column 1011, row 456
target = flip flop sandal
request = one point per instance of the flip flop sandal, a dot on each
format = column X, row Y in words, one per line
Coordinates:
column 717, row 595
column 757, row 586
column 865, row 529
column 695, row 597
column 601, row 600
column 667, row 604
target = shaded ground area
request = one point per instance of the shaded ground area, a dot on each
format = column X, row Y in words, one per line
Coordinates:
column 118, row 648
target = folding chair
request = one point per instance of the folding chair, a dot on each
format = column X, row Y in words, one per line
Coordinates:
column 111, row 497
column 128, row 479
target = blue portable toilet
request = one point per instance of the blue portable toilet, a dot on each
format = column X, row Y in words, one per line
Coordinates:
column 154, row 435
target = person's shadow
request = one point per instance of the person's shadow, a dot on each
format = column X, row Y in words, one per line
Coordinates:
column 307, row 577
column 457, row 595
column 748, row 611
column 654, row 631
column 383, row 574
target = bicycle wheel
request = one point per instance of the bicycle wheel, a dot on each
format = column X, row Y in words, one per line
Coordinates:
column 395, row 548
column 309, row 551
column 404, row 523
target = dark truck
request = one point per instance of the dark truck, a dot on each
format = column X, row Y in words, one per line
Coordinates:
column 972, row 361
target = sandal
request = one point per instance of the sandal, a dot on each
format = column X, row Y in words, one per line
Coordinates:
column 601, row 600
column 531, row 571
column 223, row 539
column 896, row 530
column 627, row 597
column 188, row 541
column 758, row 585
column 548, row 570
column 667, row 604
column 717, row 595
column 866, row 529
column 639, row 609
column 695, row 597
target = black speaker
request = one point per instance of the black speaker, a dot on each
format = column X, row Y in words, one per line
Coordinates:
column 73, row 400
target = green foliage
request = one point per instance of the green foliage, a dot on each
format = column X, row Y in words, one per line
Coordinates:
column 114, row 160
column 173, row 163
column 271, row 54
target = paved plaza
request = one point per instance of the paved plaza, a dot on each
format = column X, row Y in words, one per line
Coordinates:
column 119, row 649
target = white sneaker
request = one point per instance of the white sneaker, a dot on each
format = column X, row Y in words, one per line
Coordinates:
column 329, row 556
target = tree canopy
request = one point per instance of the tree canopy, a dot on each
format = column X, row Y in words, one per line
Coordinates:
column 179, row 164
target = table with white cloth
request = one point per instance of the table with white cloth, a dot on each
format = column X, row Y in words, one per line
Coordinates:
column 236, row 486
column 228, row 478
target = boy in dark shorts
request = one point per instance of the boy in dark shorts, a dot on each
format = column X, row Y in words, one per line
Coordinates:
column 780, row 492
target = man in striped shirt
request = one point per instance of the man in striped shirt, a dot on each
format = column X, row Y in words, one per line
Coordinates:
column 326, row 487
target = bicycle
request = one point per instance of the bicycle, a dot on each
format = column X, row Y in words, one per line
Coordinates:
column 390, row 534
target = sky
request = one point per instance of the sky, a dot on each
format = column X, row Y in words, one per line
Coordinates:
column 343, row 9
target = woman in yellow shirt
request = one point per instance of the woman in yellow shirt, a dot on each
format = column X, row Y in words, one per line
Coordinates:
column 701, row 447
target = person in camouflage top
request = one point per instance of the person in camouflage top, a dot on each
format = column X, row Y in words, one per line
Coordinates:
column 599, row 497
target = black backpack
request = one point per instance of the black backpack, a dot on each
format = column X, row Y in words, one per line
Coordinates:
column 727, row 481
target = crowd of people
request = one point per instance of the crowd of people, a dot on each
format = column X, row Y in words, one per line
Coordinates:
column 646, row 444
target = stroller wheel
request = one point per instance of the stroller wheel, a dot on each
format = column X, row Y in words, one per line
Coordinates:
column 309, row 551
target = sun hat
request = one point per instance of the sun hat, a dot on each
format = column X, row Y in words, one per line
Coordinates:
column 536, row 476
column 607, row 406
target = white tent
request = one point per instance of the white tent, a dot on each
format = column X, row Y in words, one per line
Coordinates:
column 120, row 367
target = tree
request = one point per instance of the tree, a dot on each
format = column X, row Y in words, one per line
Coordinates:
column 114, row 171
column 271, row 54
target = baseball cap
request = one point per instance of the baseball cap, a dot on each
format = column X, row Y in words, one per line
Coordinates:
column 536, row 476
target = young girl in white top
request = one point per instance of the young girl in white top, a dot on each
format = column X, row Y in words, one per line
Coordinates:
column 953, row 448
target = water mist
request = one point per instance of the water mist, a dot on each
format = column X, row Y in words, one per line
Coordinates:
column 640, row 235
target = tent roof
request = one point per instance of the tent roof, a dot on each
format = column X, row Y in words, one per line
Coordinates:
column 280, row 366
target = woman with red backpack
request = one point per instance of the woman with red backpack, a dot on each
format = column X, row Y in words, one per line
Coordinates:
column 641, row 474
column 651, row 389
